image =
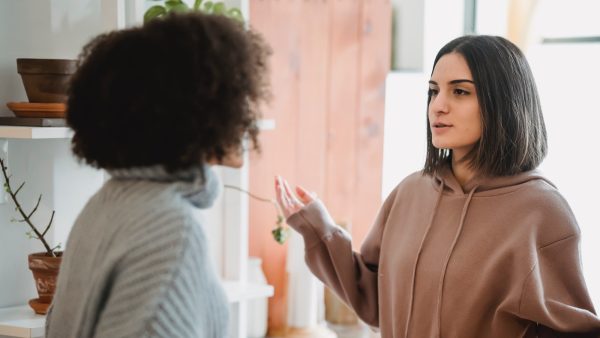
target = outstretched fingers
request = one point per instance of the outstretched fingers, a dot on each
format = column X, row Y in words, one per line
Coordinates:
column 285, row 198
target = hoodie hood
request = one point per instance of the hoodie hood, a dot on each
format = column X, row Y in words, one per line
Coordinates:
column 485, row 185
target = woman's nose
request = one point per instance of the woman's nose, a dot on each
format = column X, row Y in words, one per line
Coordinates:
column 438, row 104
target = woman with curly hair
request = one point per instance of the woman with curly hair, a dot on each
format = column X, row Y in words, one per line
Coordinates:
column 155, row 106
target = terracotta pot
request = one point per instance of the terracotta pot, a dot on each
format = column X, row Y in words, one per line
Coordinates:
column 46, row 80
column 45, row 272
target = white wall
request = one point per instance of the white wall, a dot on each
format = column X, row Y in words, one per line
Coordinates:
column 405, row 135
column 566, row 76
column 404, row 143
column 443, row 21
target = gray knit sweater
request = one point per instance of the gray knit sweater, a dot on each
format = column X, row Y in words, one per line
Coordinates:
column 137, row 264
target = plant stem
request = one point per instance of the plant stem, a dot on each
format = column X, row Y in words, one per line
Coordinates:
column 26, row 218
column 262, row 199
column 280, row 218
column 249, row 193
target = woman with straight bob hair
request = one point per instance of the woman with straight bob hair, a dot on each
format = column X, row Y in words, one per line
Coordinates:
column 478, row 243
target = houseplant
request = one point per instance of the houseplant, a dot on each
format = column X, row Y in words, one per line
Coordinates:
column 43, row 265
column 208, row 7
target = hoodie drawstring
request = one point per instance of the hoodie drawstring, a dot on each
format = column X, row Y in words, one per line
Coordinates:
column 414, row 271
column 442, row 278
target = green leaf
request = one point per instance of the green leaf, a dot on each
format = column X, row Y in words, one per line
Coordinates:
column 236, row 14
column 218, row 8
column 197, row 4
column 57, row 247
column 176, row 6
column 208, row 6
column 154, row 12
column 180, row 8
column 280, row 234
column 172, row 3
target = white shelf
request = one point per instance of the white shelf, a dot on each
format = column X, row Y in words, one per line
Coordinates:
column 21, row 321
column 266, row 124
column 17, row 132
column 28, row 133
column 236, row 292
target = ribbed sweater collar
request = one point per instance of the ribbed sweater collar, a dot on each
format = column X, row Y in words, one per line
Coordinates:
column 189, row 182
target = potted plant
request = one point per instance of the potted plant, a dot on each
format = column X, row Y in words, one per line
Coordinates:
column 208, row 7
column 43, row 265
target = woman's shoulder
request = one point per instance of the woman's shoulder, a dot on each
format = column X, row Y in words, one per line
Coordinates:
column 545, row 196
column 414, row 180
column 554, row 217
column 407, row 187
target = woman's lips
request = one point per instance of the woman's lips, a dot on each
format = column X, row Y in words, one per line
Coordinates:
column 439, row 128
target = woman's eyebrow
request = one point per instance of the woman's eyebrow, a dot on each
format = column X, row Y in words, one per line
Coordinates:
column 453, row 81
column 461, row 80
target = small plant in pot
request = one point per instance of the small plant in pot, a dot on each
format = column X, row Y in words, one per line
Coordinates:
column 43, row 265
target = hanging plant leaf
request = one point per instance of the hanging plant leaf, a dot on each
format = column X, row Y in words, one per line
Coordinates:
column 280, row 234
column 169, row 4
column 236, row 14
column 154, row 12
column 208, row 6
column 218, row 8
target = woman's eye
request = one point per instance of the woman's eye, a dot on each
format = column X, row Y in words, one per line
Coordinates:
column 458, row 91
column 432, row 92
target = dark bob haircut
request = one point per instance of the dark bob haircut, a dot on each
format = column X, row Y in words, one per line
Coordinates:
column 513, row 136
column 175, row 92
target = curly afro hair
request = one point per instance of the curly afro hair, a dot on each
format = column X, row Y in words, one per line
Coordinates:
column 175, row 92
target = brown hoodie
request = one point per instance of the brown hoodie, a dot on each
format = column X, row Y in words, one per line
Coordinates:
column 499, row 259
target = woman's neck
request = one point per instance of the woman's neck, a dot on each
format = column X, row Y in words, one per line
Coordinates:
column 462, row 171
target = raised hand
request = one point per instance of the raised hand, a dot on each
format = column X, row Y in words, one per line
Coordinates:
column 289, row 202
